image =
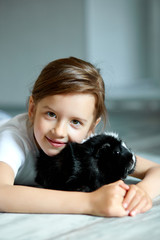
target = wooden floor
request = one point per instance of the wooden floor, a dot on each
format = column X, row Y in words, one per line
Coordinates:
column 141, row 131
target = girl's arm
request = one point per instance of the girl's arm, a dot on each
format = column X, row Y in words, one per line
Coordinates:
column 139, row 197
column 106, row 201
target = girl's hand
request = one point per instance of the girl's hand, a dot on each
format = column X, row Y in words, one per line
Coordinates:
column 136, row 200
column 107, row 200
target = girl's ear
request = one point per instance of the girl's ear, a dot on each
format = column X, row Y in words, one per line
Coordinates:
column 97, row 121
column 31, row 109
column 92, row 130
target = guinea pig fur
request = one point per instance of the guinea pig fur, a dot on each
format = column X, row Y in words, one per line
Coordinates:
column 100, row 160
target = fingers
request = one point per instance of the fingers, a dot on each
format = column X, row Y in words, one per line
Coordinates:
column 119, row 199
column 107, row 200
column 119, row 188
column 128, row 198
column 136, row 201
column 142, row 206
column 123, row 185
column 138, row 207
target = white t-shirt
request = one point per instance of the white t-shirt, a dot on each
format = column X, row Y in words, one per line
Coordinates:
column 18, row 149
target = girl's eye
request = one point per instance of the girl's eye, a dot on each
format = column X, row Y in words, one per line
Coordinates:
column 76, row 122
column 51, row 114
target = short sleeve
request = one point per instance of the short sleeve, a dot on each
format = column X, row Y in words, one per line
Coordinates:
column 11, row 150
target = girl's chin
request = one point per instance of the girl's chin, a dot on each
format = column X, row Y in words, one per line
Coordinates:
column 52, row 152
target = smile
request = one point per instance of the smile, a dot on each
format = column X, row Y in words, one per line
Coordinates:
column 56, row 144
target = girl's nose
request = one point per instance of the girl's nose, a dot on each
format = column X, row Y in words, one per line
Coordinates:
column 60, row 130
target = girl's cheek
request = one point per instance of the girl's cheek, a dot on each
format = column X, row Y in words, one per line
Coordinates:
column 77, row 135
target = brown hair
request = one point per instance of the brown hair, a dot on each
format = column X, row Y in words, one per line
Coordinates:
column 71, row 75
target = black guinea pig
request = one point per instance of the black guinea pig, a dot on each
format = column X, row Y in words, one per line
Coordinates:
column 100, row 160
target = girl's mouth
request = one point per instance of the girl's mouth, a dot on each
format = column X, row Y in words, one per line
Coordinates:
column 55, row 143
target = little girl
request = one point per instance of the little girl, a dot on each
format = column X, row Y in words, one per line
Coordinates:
column 66, row 104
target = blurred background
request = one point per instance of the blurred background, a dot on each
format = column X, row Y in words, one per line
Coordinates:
column 121, row 37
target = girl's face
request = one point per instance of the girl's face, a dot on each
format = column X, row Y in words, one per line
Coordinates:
column 60, row 119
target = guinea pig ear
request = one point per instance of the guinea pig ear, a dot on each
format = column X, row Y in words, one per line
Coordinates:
column 105, row 147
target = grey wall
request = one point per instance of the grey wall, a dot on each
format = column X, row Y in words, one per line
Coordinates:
column 124, row 37
column 32, row 33
column 154, row 40
column 120, row 36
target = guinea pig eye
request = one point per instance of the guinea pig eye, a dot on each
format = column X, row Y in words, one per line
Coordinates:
column 117, row 153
